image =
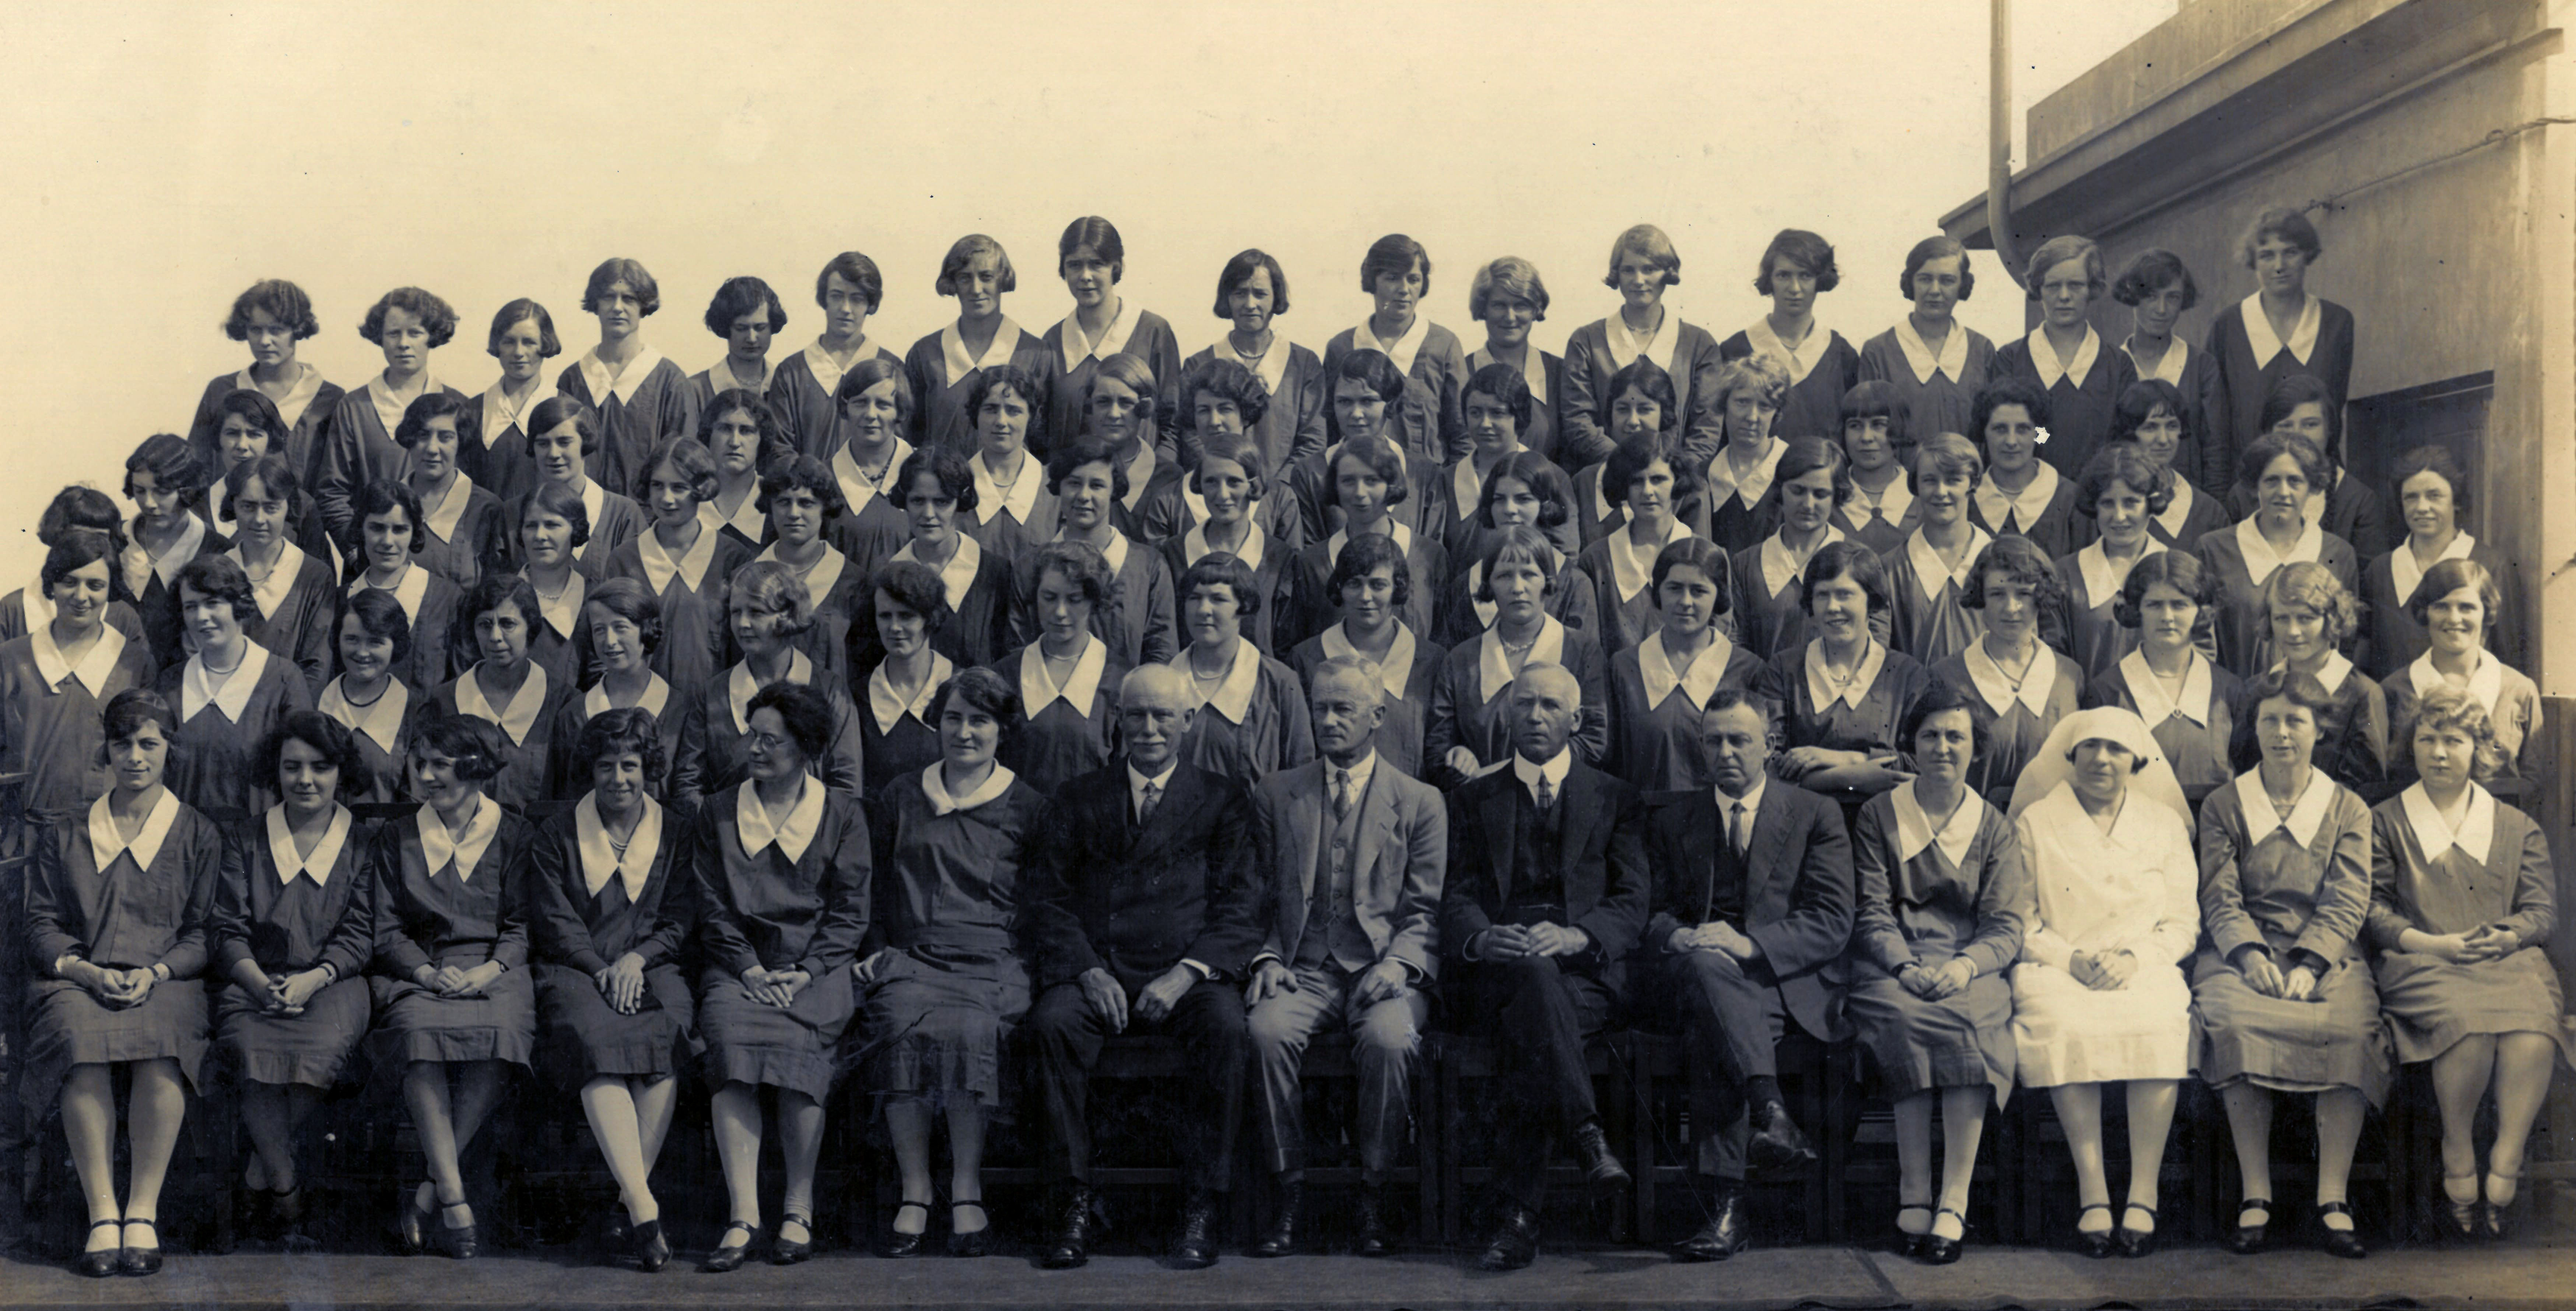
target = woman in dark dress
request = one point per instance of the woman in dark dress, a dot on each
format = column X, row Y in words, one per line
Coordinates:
column 801, row 498
column 28, row 608
column 2158, row 288
column 1013, row 507
column 1524, row 491
column 294, row 927
column 522, row 338
column 1736, row 506
column 296, row 590
column 876, row 407
column 2016, row 667
column 1844, row 697
column 943, row 995
column 458, row 518
column 1642, row 481
column 56, row 678
column 622, row 624
column 453, row 997
column 2280, row 330
column 1797, row 267
column 2150, row 416
column 1371, row 581
column 1251, row 715
column 505, row 689
column 683, row 559
column 895, row 682
column 938, row 497
column 742, row 436
column 369, row 699
column 2187, row 702
column 248, row 427
column 2432, row 494
column 1251, row 291
column 609, row 889
column 1812, row 482
column 165, row 480
column 1067, row 723
column 270, row 317
column 2299, row 405
column 783, row 868
column 2120, row 493
column 2022, row 493
column 2079, row 371
column 1660, row 687
column 2311, row 613
column 553, row 528
column 390, row 537
column 2280, row 469
column 116, row 932
column 1226, row 505
column 767, row 608
column 228, row 695
column 1469, row 725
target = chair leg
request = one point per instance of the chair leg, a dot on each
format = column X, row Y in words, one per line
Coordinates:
column 1641, row 1133
column 1831, row 1224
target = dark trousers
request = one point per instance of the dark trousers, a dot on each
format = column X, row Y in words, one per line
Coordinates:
column 1732, row 1018
column 1541, row 1015
column 1208, row 1020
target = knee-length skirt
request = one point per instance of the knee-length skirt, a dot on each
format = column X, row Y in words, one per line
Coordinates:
column 1919, row 1045
column 2431, row 1004
column 581, row 1037
column 416, row 1024
column 2333, row 1040
column 311, row 1049
column 67, row 1026
column 936, row 1029
column 792, row 1047
column 2064, row 1032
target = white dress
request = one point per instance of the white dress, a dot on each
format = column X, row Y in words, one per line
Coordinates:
column 2136, row 887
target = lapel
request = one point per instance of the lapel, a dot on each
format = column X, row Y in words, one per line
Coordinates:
column 1376, row 832
column 1499, row 846
column 1766, row 875
column 1580, row 812
column 1306, row 821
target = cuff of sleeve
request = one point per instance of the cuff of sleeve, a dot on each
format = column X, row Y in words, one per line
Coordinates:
column 813, row 966
column 2325, row 946
column 1203, row 971
column 406, row 958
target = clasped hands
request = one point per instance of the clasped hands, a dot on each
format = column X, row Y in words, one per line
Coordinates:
column 1937, row 982
column 118, row 988
column 1153, row 1001
column 775, row 987
column 289, row 993
column 1510, row 942
column 1717, row 936
column 450, row 981
column 2265, row 976
column 2103, row 971
column 2476, row 947
column 622, row 984
column 1380, row 982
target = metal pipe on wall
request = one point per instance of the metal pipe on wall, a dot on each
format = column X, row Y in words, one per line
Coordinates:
column 1999, row 142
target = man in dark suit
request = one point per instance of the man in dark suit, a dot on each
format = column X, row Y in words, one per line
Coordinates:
column 1141, row 917
column 1352, row 852
column 1547, row 890
column 1752, row 910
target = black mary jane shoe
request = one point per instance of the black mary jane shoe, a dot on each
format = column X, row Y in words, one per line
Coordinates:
column 1908, row 1242
column 2345, row 1243
column 411, row 1224
column 898, row 1244
column 103, row 1262
column 2135, row 1243
column 652, row 1250
column 967, row 1242
column 2249, row 1239
column 140, row 1260
column 783, row 1252
column 725, row 1260
column 1936, row 1250
column 461, row 1242
column 2094, row 1245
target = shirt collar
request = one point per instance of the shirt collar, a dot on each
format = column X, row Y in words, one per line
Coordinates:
column 1914, row 829
column 2154, row 705
column 958, row 575
column 2331, row 674
column 499, row 416
column 1894, row 500
column 2486, row 682
column 660, row 566
column 1360, row 774
column 594, row 374
column 1233, row 697
column 381, row 720
column 856, row 486
column 1494, row 669
column 889, row 707
column 2474, row 837
column 934, row 784
column 298, row 398
column 2177, row 515
column 721, row 377
column 2044, row 361
column 141, row 565
column 819, row 577
column 1751, row 800
column 1194, row 544
column 1113, row 338
column 442, row 517
column 1781, row 566
column 1997, row 689
column 1396, row 529
column 389, row 411
column 1699, row 678
column 2304, row 819
column 105, row 845
column 515, row 718
column 94, row 669
column 747, row 518
column 1630, row 568
column 2266, row 344
column 408, row 593
column 465, row 847
column 657, row 694
column 2177, row 357
column 1934, row 575
column 1722, row 482
column 826, row 370
column 1017, row 500
column 197, row 688
column 1402, row 349
column 270, row 592
column 1393, row 673
column 791, row 836
column 1081, row 685
column 952, row 349
column 1953, row 359
column 1864, row 676
column 1269, row 366
column 1797, row 361
column 563, row 614
column 2407, row 575
column 599, row 859
column 2103, row 576
column 740, row 689
column 326, row 853
column 1162, row 783
column 2260, row 562
column 1626, row 346
column 1553, row 770
column 2005, row 510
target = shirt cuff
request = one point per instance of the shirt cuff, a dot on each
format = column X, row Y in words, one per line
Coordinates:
column 64, row 962
column 1203, row 971
column 160, row 972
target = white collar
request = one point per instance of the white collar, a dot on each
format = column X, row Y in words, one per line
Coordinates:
column 1360, row 774
column 409, row 593
column 1554, row 770
column 958, row 575
column 890, row 708
column 40, row 607
column 270, row 592
column 2475, row 836
column 691, row 566
column 197, row 689
column 1393, row 673
column 1864, row 676
column 1494, row 669
column 1081, row 684
column 721, row 377
column 2104, row 576
column 1467, row 487
column 599, row 859
column 857, row 487
column 2331, row 674
column 2260, row 562
column 217, row 492
column 1533, row 369
column 441, row 518
column 2169, row 369
column 326, row 853
column 2486, row 682
column 1933, row 575
column 1402, row 349
column 2267, row 344
column 1137, row 783
column 2044, row 360
column 2178, row 514
column 819, row 577
column 1016, row 500
column 934, row 784
column 594, row 503
column 1722, row 482
column 1699, row 678
column 1194, row 544
column 657, row 694
column 793, row 835
column 1626, row 346
column 381, row 720
column 1799, row 359
column 740, row 689
column 141, row 564
column 1140, row 475
column 952, row 349
column 1953, row 359
column 2304, row 819
column 1193, row 499
column 389, row 411
column 2155, row 706
column 2004, row 510
column 105, row 845
column 308, row 384
column 1269, row 366
column 563, row 614
column 1997, row 690
column 594, row 374
column 1751, row 801
column 1890, row 507
column 1630, row 568
column 1914, row 829
column 439, row 846
column 1113, row 338
column 499, row 416
column 516, row 718
column 2407, row 575
column 747, row 518
column 94, row 668
column 1780, row 567
column 826, row 370
column 1396, row 529
column 1233, row 696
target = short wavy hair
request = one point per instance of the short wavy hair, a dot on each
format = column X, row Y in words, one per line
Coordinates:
column 956, row 480
column 1397, row 254
column 1239, row 270
column 1697, row 553
column 281, row 300
column 689, row 458
column 1555, row 491
column 131, row 709
column 380, row 615
column 1082, row 566
column 82, row 506
column 563, row 503
column 2280, row 221
column 629, row 599
column 2003, row 391
column 1019, row 382
column 2014, row 558
column 617, row 269
column 1756, row 370
column 2448, row 576
column 219, row 578
column 1646, row 376
column 1845, row 559
column 2125, row 463
column 384, row 495
column 1242, row 450
column 773, row 438
column 339, row 746
column 2262, row 451
column 493, row 591
column 736, row 297
column 1087, row 449
column 524, row 308
column 476, row 749
column 1222, row 569
column 985, row 691
column 804, row 710
column 914, row 586
column 855, row 269
column 1519, row 545
column 1363, row 554
column 2058, row 250
column 2244, row 743
column 2296, row 389
column 803, row 471
column 2435, row 460
column 2139, row 400
column 1928, row 250
column 1629, row 461
column 434, row 314
column 1804, row 249
column 276, row 476
column 557, row 410
column 1381, row 458
column 1948, row 455
column 1225, row 378
column 1806, row 455
column 1101, row 236
column 433, row 405
column 1648, row 242
column 868, row 373
column 174, row 463
column 74, row 550
column 2151, row 271
column 962, row 252
column 1509, row 390
column 617, row 732
column 776, row 589
column 2307, row 583
column 2448, row 706
column 1940, row 696
column 1509, row 276
column 248, row 403
column 2179, row 570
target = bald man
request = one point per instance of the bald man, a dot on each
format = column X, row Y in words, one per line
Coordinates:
column 1546, row 895
column 1352, row 850
column 1141, row 914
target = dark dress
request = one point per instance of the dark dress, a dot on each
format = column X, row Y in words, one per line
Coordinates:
column 1867, row 721
column 1307, row 608
column 1071, row 731
column 2022, row 717
column 768, row 908
column 2396, row 640
column 896, row 739
column 2094, row 635
column 2081, row 400
column 692, row 592
column 435, row 917
column 1938, row 394
column 651, row 400
column 430, row 602
column 1137, row 623
column 582, row 930
column 528, row 720
column 714, row 721
column 1622, row 577
column 943, row 376
column 1292, row 428
column 1655, row 711
column 1251, row 723
column 980, row 597
column 288, row 925
column 358, row 447
column 2244, row 639
column 49, row 717
column 214, row 757
column 1929, row 909
column 1925, row 617
column 2431, row 1004
column 1471, row 708
column 2050, row 526
column 1412, row 668
column 804, row 393
column 382, row 730
column 842, row 602
column 306, row 410
column 2244, row 381
column 458, row 532
column 1820, row 372
column 1427, row 423
column 2195, row 732
column 1767, row 590
column 1136, row 331
column 298, row 617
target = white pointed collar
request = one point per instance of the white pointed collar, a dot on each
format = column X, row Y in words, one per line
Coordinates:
column 889, row 707
column 826, row 370
column 740, row 688
column 500, row 416
column 2260, row 562
column 594, row 503
column 389, row 411
column 409, row 593
column 464, row 847
column 2003, row 508
column 594, row 374
column 2044, row 360
column 326, row 853
column 2304, row 819
column 2267, row 344
column 1934, row 575
column 1781, row 566
column 1996, row 689
column 1799, row 359
column 747, row 518
column 857, row 487
column 1015, row 500
column 1402, row 349
column 308, row 384
column 1890, row 507
column 1140, row 477
column 2475, row 836
column 1699, row 678
column 2486, row 682
column 1494, row 668
column 657, row 695
column 2331, row 674
column 105, row 845
column 94, row 669
column 819, row 577
column 218, row 493
column 1233, row 697
column 958, row 575
column 690, row 566
column 270, row 592
column 2178, row 514
column 1914, row 829
column 1626, row 346
column 197, row 688
column 1467, row 487
column 1820, row 689
column 721, row 377
column 1269, row 366
column 563, row 614
column 934, row 785
column 381, row 719
column 2155, row 705
column 2407, row 575
column 599, row 859
column 1630, row 568
column 1113, row 338
column 515, row 718
column 2103, row 576
column 441, row 518
column 1952, row 359
column 2169, row 369
column 793, row 835
column 39, row 607
column 1722, row 482
column 1194, row 544
column 1115, row 553
column 1081, row 685
column 952, row 349
column 1393, row 673
column 1533, row 368
column 141, row 565
column 1396, row 529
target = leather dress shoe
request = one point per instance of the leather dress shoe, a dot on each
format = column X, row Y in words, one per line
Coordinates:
column 783, row 1252
column 898, row 1244
column 1079, row 1224
column 103, row 1262
column 1515, row 1240
column 1726, row 1232
column 1373, row 1237
column 2245, row 1239
column 1194, row 1248
column 724, row 1260
column 1779, row 1149
column 2135, row 1242
column 1600, row 1165
column 141, row 1260
column 1281, row 1238
column 967, row 1242
column 652, row 1250
column 2345, row 1243
column 1937, row 1250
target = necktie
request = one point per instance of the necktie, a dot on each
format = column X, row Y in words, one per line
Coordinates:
column 1740, row 830
column 1341, row 794
column 1153, row 797
column 1546, row 793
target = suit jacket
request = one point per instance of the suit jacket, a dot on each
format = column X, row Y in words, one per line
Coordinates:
column 1798, row 889
column 1396, row 874
column 1107, row 893
column 1603, row 864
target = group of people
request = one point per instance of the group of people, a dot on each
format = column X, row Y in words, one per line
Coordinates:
column 2055, row 715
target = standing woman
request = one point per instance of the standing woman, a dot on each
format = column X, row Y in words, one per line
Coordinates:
column 609, row 888
column 683, row 560
column 164, row 478
column 116, row 916
column 270, row 316
column 1845, row 696
column 767, row 608
column 2281, row 998
column 229, row 693
column 246, row 428
column 504, row 688
column 1797, row 267
column 389, row 535
column 876, row 401
column 1251, row 716
column 2021, row 495
column 1659, row 688
column 2302, row 406
column 2279, row 330
column 941, row 997
column 2158, row 287
column 1092, row 260
column 1812, row 482
column 747, row 315
column 453, row 999
column 1252, row 290
column 1499, row 407
column 2063, row 358
column 783, row 879
column 2187, row 702
column 901, row 671
column 801, row 498
column 1119, row 407
column 1067, row 678
column 2432, row 494
column 2152, row 415
column 942, row 366
column 938, row 495
column 368, row 697
column 522, row 339
column 738, row 429
column 1470, row 724
column 1509, row 299
column 564, row 435
column 1012, row 508
column 1230, row 486
column 293, row 927
column 1928, row 576
column 2311, row 613
column 641, row 397
column 621, row 628
column 55, row 679
column 1748, row 397
column 2278, row 469
column 2462, row 905
column 1643, row 265
column 2014, row 666
column 457, row 517
column 1215, row 400
column 1368, row 482
column 2121, row 492
column 1526, row 490
column 805, row 390
column 1641, row 480
column 1935, row 363
column 75, row 507
column 1366, row 391
column 1137, row 623
column 1944, row 900
column 295, row 591
column 1396, row 275
column 1372, row 583
column 552, row 533
column 1881, row 509
column 2456, row 604
column 359, row 447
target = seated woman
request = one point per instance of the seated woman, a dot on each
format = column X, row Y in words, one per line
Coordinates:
column 2311, row 613
column 2158, row 289
column 2432, row 494
column 2281, row 329
column 1251, row 715
column 1092, row 259
column 2099, row 996
column 1880, row 510
column 1737, row 507
column 877, row 407
column 2015, row 666
column 563, row 435
column 2063, row 359
column 2462, row 904
column 801, row 499
column 1366, row 391
column 741, row 432
column 1013, row 508
column 746, row 315
column 370, row 699
column 1252, row 290
column 1524, row 491
column 116, row 914
column 1643, row 265
column 2150, row 417
column 1368, row 483
column 2021, row 494
column 1797, row 267
column 1372, row 582
column 506, row 689
column 609, row 886
column 1659, row 688
column 1396, row 276
column 1231, row 489
column 1944, row 899
column 453, row 1001
column 1067, row 679
column 939, row 1000
column 641, row 396
column 683, row 560
column 457, row 517
column 621, row 627
column 943, row 364
column 1927, row 576
column 228, row 695
column 56, row 679
column 293, row 927
column 295, row 589
column 1764, row 579
column 552, row 530
column 390, row 537
column 2242, row 559
column 804, row 390
column 1499, row 406
column 938, row 496
column 782, row 865
column 2456, row 604
column 522, row 338
column 766, row 608
column 1641, row 479
column 75, row 507
column 1137, row 623
column 1508, row 297
column 2119, row 493
column 2281, row 997
column 358, row 445
column 2345, row 506
column 2166, row 680
column 1845, row 695
column 248, row 427
column 1933, row 362
column 164, row 479
column 1470, row 726
column 270, row 317
column 902, row 669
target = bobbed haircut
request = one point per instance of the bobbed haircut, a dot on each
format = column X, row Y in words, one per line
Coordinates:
column 946, row 467
column 1940, row 696
column 984, row 692
column 2125, row 463
column 281, row 300
column 629, row 599
column 76, row 549
column 773, row 439
column 1844, row 559
column 689, row 458
column 962, row 252
column 434, row 314
column 2309, row 584
column 776, row 589
column 2302, row 690
column 1242, row 450
column 563, row 503
column 855, row 269
column 1509, row 390
column 1694, row 553
column 1101, row 236
column 248, row 403
column 219, row 578
column 173, row 462
column 1083, row 450
column 1087, row 571
column 1519, row 544
column 557, row 410
column 491, row 592
column 2151, row 271
column 274, row 472
column 1804, row 249
column 1647, row 242
column 2280, row 221
column 627, row 730
column 808, row 473
column 1806, row 455
column 1128, row 371
column 2454, row 707
column 1629, row 461
column 1394, row 253
column 2059, row 250
column 2003, row 391
column 1370, row 366
column 384, row 495
column 131, row 709
column 1379, row 456
column 1226, row 379
column 2261, row 452
column 1363, row 555
column 804, row 710
column 2013, row 558
column 616, row 269
column 1928, row 250
column 1222, row 569
column 868, row 373
column 379, row 615
column 1239, row 270
column 2297, row 389
column 2138, row 402
column 524, row 308
column 2179, row 570
column 1555, row 492
column 914, row 586
column 1873, row 399
column 736, row 297
column 475, row 748
column 80, row 506
column 1947, row 455
column 2437, row 461
column 2448, row 576
column 432, row 405
column 1018, row 382
column 338, row 746
column 1758, row 372
column 1511, row 276
column 1645, row 376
